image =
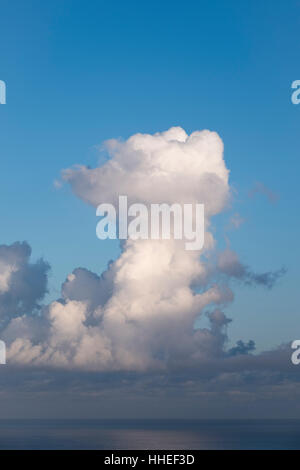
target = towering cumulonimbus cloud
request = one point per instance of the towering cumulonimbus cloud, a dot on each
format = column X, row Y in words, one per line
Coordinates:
column 140, row 314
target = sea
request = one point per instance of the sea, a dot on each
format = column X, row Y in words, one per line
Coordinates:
column 149, row 434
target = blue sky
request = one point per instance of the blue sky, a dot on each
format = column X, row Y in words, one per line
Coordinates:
column 77, row 76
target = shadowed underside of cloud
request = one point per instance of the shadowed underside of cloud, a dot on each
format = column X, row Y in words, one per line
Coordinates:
column 22, row 284
column 138, row 317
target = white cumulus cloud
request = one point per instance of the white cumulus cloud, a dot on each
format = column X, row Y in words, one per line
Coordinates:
column 140, row 314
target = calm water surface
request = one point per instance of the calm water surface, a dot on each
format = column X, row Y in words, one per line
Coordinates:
column 112, row 435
